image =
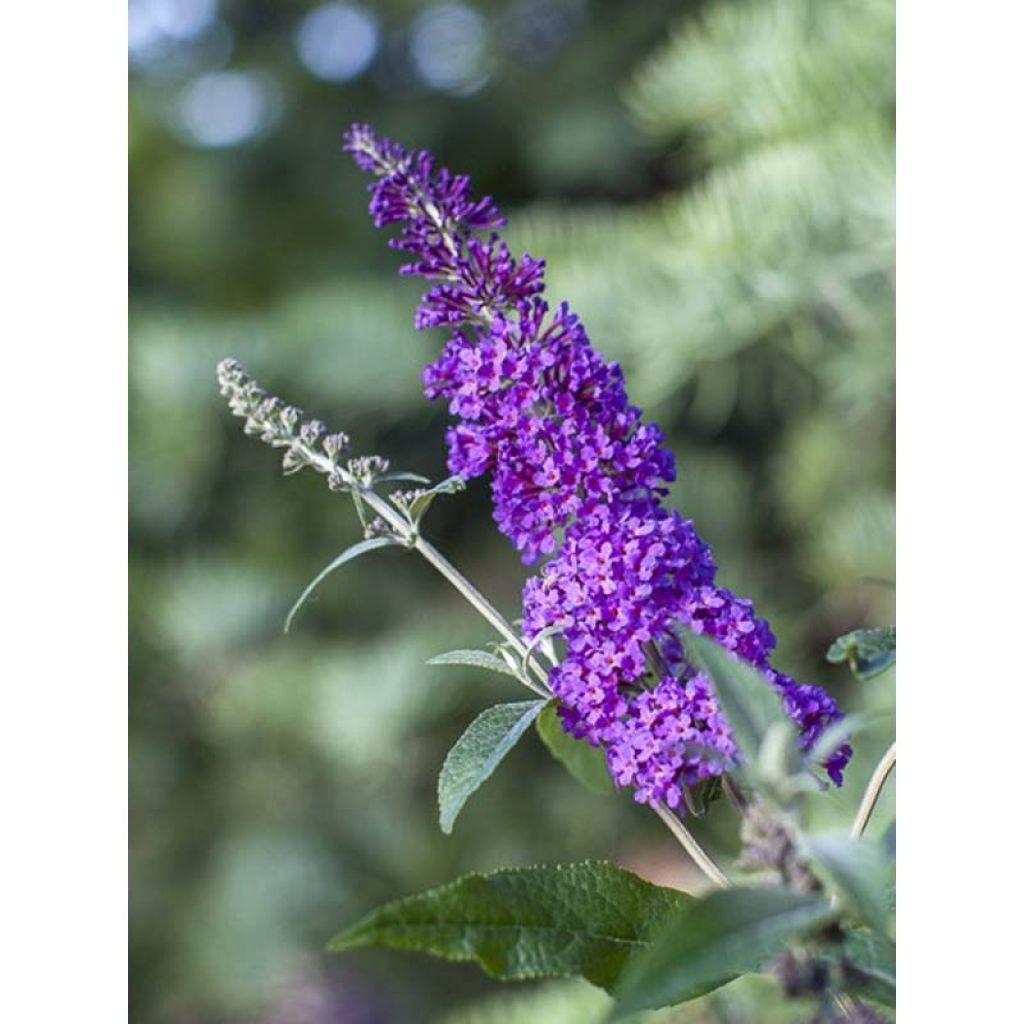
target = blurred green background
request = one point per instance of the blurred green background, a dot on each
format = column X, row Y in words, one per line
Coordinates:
column 712, row 186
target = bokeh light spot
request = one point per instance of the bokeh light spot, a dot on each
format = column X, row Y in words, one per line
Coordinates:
column 225, row 108
column 449, row 48
column 182, row 19
column 337, row 41
column 143, row 30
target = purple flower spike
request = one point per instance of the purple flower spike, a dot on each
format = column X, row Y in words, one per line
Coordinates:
column 578, row 476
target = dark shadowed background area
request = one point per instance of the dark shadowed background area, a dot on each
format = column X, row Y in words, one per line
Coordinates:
column 712, row 186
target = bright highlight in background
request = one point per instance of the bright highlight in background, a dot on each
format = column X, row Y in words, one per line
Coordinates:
column 182, row 19
column 449, row 43
column 155, row 22
column 224, row 108
column 337, row 41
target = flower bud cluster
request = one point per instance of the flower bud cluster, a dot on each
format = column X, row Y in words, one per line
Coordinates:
column 771, row 846
column 306, row 442
column 577, row 475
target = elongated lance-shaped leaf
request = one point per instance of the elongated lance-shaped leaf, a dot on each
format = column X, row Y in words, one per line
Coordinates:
column 535, row 922
column 713, row 940
column 413, row 478
column 346, row 556
column 477, row 659
column 477, row 752
column 584, row 763
column 750, row 705
column 860, row 872
column 869, row 652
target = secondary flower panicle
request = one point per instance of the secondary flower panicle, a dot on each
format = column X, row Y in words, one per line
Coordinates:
column 306, row 442
column 577, row 475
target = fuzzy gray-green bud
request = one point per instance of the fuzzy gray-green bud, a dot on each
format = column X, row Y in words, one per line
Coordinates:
column 307, row 442
column 310, row 432
column 368, row 468
column 335, row 444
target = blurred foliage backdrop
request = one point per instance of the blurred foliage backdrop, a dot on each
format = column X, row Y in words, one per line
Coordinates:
column 712, row 185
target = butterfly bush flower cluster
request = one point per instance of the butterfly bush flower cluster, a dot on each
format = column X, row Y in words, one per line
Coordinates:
column 577, row 476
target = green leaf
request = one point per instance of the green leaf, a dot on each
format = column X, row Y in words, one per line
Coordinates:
column 752, row 708
column 701, row 796
column 585, row 763
column 713, row 940
column 869, row 652
column 478, row 751
column 534, row 922
column 542, row 641
column 860, row 872
column 871, row 965
column 452, row 485
column 778, row 757
column 414, row 478
column 346, row 556
column 478, row 659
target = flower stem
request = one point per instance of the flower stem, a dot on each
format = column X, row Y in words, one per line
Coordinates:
column 454, row 577
column 871, row 794
column 477, row 600
column 408, row 535
column 692, row 847
column 494, row 617
column 735, row 797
